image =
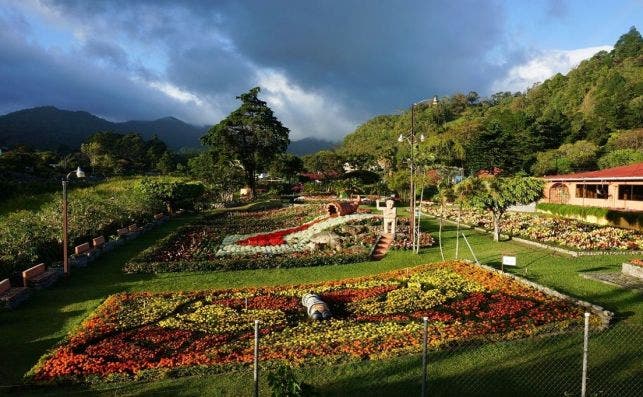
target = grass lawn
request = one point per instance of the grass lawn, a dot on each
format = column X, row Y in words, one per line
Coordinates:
column 543, row 367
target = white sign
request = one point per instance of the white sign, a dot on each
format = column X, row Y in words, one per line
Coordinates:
column 508, row 260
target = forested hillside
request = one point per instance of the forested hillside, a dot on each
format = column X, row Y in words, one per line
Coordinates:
column 592, row 117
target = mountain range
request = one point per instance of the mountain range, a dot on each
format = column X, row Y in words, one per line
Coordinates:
column 50, row 128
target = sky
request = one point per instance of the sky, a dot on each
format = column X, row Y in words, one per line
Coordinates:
column 324, row 67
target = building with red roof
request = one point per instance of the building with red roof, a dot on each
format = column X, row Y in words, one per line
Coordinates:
column 617, row 188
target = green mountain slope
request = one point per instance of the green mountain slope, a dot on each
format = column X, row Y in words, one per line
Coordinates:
column 568, row 122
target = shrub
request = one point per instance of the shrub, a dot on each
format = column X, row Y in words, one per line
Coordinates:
column 634, row 219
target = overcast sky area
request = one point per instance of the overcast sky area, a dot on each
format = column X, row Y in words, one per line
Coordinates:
column 324, row 67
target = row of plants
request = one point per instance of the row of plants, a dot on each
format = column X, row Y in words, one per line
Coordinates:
column 633, row 218
column 553, row 230
column 36, row 236
column 144, row 335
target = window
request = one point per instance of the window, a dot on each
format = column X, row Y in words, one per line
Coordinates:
column 630, row 192
column 591, row 191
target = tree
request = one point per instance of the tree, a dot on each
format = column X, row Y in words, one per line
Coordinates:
column 581, row 154
column 497, row 194
column 551, row 162
column 286, row 165
column 251, row 135
column 620, row 157
column 166, row 163
column 171, row 193
column 223, row 175
column 628, row 45
column 326, row 162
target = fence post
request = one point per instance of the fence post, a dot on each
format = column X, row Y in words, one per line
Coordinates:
column 424, row 352
column 583, row 387
column 470, row 249
column 256, row 360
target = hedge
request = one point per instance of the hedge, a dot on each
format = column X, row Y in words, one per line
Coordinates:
column 634, row 218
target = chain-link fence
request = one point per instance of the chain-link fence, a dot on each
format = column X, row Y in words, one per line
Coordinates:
column 540, row 365
column 549, row 365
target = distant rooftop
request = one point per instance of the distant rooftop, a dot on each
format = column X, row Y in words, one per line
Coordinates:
column 625, row 172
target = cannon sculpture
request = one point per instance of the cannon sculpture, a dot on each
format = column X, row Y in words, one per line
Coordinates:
column 341, row 208
column 316, row 308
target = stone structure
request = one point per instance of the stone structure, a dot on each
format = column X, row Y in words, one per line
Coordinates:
column 389, row 214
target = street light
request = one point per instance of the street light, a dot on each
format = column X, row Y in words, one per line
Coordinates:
column 79, row 174
column 410, row 138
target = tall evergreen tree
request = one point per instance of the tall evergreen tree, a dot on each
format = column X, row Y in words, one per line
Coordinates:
column 251, row 134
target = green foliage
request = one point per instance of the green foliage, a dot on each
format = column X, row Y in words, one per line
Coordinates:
column 399, row 181
column 364, row 177
column 497, row 194
column 620, row 157
column 577, row 211
column 283, row 383
column 166, row 163
column 631, row 139
column 287, row 166
column 172, row 194
column 326, row 162
column 222, row 175
column 628, row 45
column 251, row 135
column 35, row 236
column 509, row 131
column 110, row 153
column 577, row 156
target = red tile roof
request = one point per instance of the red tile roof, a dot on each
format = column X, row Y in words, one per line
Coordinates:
column 632, row 171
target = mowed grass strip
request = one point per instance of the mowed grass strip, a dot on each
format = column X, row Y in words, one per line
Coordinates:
column 51, row 314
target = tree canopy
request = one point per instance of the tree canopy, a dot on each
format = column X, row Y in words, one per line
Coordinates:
column 497, row 194
column 251, row 134
column 597, row 102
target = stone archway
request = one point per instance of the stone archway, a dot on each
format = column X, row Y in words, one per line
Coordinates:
column 559, row 193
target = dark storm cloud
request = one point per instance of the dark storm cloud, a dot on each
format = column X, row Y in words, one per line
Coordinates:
column 106, row 51
column 363, row 57
column 31, row 76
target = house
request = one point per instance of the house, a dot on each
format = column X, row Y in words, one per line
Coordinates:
column 616, row 188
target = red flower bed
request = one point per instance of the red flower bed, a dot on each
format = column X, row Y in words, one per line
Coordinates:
column 275, row 238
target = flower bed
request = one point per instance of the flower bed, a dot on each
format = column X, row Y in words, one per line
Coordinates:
column 238, row 241
column 549, row 229
column 147, row 334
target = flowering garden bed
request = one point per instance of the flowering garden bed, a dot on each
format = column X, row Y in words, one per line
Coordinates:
column 551, row 230
column 145, row 335
column 268, row 239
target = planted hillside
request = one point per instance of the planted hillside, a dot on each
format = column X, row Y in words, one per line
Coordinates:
column 36, row 235
column 592, row 117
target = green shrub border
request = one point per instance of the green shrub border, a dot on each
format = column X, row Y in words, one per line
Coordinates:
column 634, row 218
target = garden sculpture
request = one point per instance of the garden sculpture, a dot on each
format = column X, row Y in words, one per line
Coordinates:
column 341, row 208
column 316, row 308
column 390, row 216
column 324, row 239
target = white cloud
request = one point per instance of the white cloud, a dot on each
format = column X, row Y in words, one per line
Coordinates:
column 543, row 66
column 305, row 113
column 176, row 93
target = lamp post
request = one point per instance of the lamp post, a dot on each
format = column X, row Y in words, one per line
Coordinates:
column 410, row 138
column 79, row 174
